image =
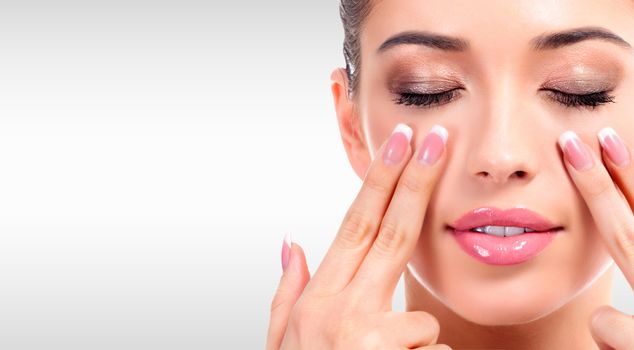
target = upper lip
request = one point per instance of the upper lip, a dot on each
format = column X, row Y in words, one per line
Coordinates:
column 519, row 217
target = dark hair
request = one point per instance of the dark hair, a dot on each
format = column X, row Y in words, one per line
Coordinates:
column 353, row 13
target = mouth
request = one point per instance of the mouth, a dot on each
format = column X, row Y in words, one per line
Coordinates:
column 503, row 237
column 506, row 231
column 504, row 223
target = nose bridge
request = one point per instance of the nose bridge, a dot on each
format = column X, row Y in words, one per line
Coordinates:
column 500, row 147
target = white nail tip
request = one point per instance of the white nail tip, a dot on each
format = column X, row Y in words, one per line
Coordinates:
column 605, row 132
column 440, row 131
column 567, row 136
column 405, row 129
column 287, row 239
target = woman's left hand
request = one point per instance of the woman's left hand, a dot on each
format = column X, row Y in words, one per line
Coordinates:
column 612, row 212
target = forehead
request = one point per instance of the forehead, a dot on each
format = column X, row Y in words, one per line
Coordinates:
column 493, row 24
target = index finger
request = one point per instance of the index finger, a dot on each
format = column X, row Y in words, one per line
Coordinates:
column 381, row 269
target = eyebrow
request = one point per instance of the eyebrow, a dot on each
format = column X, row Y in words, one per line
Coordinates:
column 542, row 42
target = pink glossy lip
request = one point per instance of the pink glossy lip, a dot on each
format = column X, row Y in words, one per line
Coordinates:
column 503, row 250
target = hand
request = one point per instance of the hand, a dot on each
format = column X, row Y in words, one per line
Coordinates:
column 347, row 303
column 612, row 213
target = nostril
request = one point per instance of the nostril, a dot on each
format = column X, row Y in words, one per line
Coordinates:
column 520, row 174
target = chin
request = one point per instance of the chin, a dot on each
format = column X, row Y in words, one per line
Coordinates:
column 507, row 309
column 496, row 295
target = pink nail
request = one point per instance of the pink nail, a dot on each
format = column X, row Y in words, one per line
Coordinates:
column 397, row 144
column 433, row 145
column 576, row 152
column 614, row 146
column 286, row 250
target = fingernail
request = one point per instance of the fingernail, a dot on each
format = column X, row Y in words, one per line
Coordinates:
column 286, row 251
column 397, row 144
column 433, row 145
column 576, row 153
column 614, row 146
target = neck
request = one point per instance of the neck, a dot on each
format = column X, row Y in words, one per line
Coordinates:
column 565, row 328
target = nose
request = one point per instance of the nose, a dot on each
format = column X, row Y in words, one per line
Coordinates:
column 502, row 147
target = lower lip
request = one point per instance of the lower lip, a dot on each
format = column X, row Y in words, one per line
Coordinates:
column 496, row 250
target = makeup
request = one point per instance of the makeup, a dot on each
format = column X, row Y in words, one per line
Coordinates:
column 503, row 237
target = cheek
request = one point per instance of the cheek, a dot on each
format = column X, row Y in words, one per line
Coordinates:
column 620, row 115
column 379, row 120
column 623, row 122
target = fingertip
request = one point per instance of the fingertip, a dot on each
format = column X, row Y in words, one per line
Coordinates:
column 286, row 251
column 441, row 131
column 434, row 146
column 565, row 137
column 597, row 317
column 298, row 261
column 405, row 129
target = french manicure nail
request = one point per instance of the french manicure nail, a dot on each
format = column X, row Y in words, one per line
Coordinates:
column 286, row 250
column 397, row 144
column 433, row 145
column 614, row 146
column 576, row 152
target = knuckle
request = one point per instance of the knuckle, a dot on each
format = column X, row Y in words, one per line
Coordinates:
column 599, row 187
column 356, row 227
column 427, row 320
column 413, row 182
column 376, row 184
column 429, row 323
column 279, row 298
column 276, row 303
column 625, row 240
column 389, row 239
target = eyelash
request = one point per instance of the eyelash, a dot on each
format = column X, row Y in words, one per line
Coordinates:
column 591, row 100
column 425, row 100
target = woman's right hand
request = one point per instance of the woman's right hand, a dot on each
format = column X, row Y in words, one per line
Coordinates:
column 347, row 303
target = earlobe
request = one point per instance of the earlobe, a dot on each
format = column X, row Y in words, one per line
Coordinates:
column 349, row 124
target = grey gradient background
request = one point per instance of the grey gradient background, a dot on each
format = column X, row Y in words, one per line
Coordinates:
column 152, row 156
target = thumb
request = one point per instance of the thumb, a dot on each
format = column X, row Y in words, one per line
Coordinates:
column 292, row 283
column 612, row 329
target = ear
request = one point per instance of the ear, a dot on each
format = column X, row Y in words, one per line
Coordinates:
column 349, row 124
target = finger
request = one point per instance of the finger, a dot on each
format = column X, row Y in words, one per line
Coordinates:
column 611, row 213
column 380, row 271
column 362, row 219
column 291, row 285
column 411, row 329
column 617, row 155
column 612, row 329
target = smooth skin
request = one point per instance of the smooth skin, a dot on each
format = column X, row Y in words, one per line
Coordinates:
column 347, row 303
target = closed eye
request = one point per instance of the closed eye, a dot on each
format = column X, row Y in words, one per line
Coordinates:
column 591, row 100
column 426, row 100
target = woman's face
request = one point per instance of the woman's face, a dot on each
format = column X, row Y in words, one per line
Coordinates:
column 502, row 121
